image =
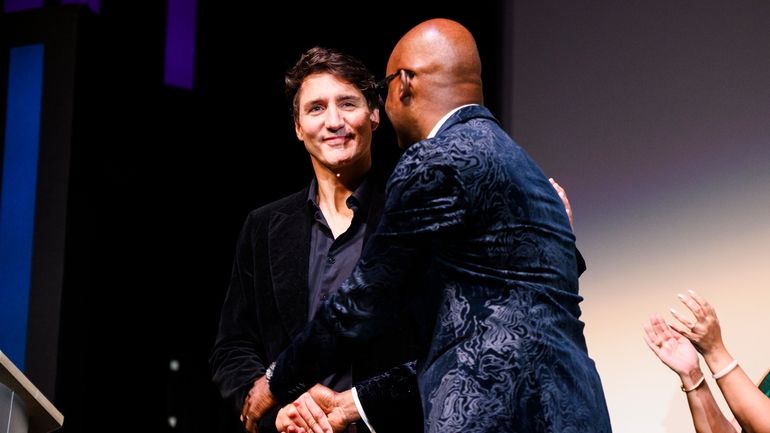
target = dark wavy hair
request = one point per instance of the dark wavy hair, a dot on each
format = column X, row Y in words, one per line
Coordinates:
column 342, row 66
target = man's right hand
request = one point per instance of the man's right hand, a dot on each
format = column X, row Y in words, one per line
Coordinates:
column 320, row 410
column 258, row 401
column 563, row 196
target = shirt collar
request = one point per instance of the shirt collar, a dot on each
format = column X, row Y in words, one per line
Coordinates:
column 443, row 120
column 359, row 200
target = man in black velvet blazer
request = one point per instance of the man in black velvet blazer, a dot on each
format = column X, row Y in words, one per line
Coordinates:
column 293, row 252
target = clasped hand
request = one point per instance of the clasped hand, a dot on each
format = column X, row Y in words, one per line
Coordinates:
column 320, row 410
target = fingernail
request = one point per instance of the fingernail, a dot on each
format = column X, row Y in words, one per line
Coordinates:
column 692, row 292
column 672, row 311
column 680, row 296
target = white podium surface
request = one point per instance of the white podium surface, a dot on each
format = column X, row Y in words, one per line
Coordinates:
column 42, row 416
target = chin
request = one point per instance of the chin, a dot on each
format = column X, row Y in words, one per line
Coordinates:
column 337, row 166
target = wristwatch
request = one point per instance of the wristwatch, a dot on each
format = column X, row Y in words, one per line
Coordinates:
column 269, row 372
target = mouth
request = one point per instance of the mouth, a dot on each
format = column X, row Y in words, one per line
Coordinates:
column 337, row 139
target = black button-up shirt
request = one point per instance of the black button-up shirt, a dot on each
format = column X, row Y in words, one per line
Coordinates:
column 332, row 260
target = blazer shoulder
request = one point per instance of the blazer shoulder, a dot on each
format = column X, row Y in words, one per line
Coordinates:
column 258, row 219
column 287, row 204
column 466, row 114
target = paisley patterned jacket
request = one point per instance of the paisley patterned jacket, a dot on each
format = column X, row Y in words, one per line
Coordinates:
column 475, row 242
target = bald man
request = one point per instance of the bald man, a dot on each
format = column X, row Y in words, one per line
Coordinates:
column 475, row 242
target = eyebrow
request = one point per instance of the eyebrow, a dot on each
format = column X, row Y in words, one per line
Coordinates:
column 343, row 98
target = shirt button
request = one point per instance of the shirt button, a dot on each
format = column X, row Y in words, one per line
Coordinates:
column 330, row 260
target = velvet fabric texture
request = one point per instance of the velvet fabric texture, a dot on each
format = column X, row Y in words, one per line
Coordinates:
column 267, row 304
column 475, row 243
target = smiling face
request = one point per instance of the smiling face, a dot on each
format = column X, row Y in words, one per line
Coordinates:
column 335, row 123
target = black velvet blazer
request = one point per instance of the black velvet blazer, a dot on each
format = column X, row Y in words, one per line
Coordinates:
column 266, row 306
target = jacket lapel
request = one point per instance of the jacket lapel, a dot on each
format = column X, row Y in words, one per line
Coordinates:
column 289, row 248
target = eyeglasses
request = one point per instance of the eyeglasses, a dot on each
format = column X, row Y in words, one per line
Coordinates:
column 382, row 85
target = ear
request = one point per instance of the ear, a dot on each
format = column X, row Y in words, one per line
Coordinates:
column 298, row 131
column 374, row 117
column 404, row 85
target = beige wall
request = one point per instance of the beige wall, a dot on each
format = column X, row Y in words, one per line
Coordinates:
column 656, row 118
column 717, row 246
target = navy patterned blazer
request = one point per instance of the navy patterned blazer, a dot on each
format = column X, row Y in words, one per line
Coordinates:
column 482, row 239
column 267, row 303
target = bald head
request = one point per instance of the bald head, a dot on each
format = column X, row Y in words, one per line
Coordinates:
column 446, row 50
column 444, row 60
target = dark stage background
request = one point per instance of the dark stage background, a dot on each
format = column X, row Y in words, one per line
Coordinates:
column 653, row 115
column 161, row 179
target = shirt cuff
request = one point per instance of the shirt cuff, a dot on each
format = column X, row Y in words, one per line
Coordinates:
column 361, row 409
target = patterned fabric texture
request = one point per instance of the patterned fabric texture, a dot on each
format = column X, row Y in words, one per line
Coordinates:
column 475, row 242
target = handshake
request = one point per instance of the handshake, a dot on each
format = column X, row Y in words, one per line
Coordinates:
column 319, row 410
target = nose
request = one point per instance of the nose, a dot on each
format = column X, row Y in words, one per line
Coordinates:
column 334, row 119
